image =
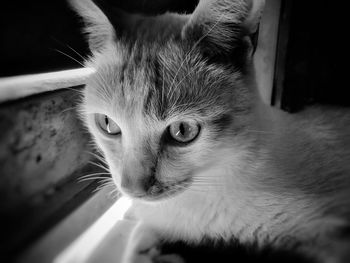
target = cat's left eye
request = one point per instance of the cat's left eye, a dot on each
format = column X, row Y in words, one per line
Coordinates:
column 107, row 125
column 184, row 131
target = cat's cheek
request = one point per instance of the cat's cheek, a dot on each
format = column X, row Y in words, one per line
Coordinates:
column 114, row 164
column 116, row 174
column 111, row 146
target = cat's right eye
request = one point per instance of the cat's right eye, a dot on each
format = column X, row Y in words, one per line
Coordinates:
column 107, row 125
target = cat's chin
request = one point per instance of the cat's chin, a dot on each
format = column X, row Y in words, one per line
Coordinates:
column 163, row 191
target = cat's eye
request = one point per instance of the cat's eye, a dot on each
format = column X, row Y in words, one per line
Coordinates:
column 107, row 125
column 184, row 131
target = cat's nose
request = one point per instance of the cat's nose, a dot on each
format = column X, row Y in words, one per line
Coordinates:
column 135, row 187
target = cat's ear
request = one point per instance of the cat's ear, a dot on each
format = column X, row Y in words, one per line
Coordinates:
column 97, row 26
column 219, row 25
column 103, row 23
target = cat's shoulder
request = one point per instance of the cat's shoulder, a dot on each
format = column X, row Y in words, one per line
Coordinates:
column 330, row 116
column 328, row 123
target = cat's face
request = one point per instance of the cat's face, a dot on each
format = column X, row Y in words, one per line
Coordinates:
column 163, row 111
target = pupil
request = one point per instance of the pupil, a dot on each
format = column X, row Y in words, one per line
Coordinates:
column 106, row 120
column 182, row 129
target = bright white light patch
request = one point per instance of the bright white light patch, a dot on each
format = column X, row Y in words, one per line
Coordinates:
column 21, row 86
column 82, row 248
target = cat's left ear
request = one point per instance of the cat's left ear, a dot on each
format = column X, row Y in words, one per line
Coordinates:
column 98, row 28
column 103, row 23
column 219, row 26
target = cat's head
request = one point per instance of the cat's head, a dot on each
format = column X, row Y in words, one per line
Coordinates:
column 172, row 94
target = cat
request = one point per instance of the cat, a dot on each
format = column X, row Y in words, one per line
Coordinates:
column 175, row 110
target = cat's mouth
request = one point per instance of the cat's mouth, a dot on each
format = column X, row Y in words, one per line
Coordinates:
column 165, row 190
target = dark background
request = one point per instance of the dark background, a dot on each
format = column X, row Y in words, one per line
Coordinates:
column 317, row 55
column 31, row 32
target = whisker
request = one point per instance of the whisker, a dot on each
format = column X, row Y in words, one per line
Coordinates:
column 99, row 157
column 68, row 109
column 104, row 185
column 106, row 181
column 93, row 174
column 163, row 86
column 90, row 179
column 95, row 147
column 72, row 58
column 99, row 165
column 104, row 82
column 66, row 45
column 76, row 52
column 75, row 89
column 96, row 154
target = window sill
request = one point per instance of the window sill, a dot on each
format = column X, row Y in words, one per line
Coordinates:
column 73, row 239
column 12, row 88
column 44, row 152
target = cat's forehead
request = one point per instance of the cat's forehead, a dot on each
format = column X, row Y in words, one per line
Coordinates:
column 159, row 80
